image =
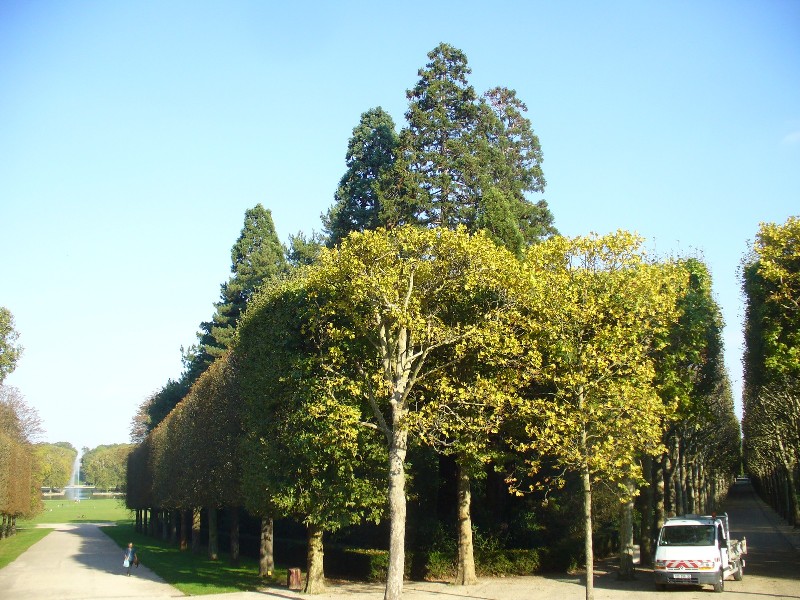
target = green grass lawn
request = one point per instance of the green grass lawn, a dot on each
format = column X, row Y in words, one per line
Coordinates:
column 192, row 574
column 12, row 547
column 85, row 511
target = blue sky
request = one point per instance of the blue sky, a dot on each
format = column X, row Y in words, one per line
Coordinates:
column 134, row 135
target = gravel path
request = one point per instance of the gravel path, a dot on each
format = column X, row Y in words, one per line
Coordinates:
column 78, row 562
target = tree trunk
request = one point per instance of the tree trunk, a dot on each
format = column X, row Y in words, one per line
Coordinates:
column 465, row 574
column 688, row 479
column 669, row 489
column 235, row 551
column 648, row 512
column 184, row 543
column 266, row 561
column 587, row 525
column 165, row 521
column 153, row 522
column 213, row 534
column 792, row 505
column 397, row 509
column 680, row 503
column 626, row 570
column 713, row 493
column 315, row 553
column 173, row 526
column 195, row 531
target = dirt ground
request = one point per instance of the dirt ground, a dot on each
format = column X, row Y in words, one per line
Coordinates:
column 772, row 571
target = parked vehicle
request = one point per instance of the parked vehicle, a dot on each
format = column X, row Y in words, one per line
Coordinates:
column 698, row 550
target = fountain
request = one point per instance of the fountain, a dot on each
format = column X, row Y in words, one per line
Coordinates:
column 75, row 491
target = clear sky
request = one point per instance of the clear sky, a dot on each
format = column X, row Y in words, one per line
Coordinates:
column 134, row 135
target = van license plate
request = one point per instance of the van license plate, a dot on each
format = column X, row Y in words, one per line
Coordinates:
column 681, row 576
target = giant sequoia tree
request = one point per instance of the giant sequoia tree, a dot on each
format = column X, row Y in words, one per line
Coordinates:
column 461, row 160
column 256, row 257
column 370, row 156
column 470, row 161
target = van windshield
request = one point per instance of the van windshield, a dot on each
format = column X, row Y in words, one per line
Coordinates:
column 687, row 535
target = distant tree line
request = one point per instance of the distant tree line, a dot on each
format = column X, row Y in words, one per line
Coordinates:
column 771, row 284
column 105, row 466
column 441, row 355
column 56, row 462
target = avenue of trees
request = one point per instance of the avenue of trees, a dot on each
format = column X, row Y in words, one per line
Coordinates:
column 442, row 357
column 771, row 423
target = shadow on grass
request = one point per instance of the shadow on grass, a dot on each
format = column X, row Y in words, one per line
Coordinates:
column 190, row 573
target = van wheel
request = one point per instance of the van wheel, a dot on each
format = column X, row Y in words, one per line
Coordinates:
column 661, row 587
column 719, row 586
column 738, row 574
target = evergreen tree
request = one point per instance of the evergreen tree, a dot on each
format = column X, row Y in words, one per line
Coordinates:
column 470, row 161
column 461, row 160
column 303, row 250
column 370, row 154
column 441, row 148
column 257, row 256
column 514, row 158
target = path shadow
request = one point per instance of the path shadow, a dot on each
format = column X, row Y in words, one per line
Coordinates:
column 99, row 552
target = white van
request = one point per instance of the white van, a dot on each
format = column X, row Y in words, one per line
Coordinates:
column 698, row 550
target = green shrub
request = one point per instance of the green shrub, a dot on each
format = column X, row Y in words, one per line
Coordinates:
column 507, row 562
column 564, row 557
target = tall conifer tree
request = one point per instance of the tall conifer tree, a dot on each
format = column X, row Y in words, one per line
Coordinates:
column 471, row 160
column 370, row 155
column 257, row 256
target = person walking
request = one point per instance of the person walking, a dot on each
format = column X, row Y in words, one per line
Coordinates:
column 129, row 558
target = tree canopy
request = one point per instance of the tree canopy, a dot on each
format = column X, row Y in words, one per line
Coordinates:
column 10, row 350
column 771, row 285
column 597, row 307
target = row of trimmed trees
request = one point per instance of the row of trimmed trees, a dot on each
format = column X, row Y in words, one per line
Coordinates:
column 440, row 315
column 570, row 357
column 771, row 424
